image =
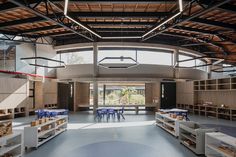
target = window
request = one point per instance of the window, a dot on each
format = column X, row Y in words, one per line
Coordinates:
column 143, row 57
column 192, row 63
column 7, row 57
column 187, row 63
column 83, row 57
column 119, row 94
column 152, row 57
column 201, row 62
column 116, row 53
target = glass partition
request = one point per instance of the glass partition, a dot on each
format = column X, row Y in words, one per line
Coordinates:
column 7, row 56
column 82, row 57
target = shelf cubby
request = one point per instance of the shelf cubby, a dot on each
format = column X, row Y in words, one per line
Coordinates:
column 219, row 144
column 233, row 80
column 196, row 88
column 224, row 113
column 233, row 86
column 202, row 87
column 233, row 114
column 12, row 145
column 196, row 83
column 35, row 136
column 210, row 82
column 224, row 81
column 211, row 87
column 224, row 87
column 211, row 111
column 168, row 123
column 6, row 114
column 192, row 135
column 196, row 109
column 19, row 112
column 202, row 83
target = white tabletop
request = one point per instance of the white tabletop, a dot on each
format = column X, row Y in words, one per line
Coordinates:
column 173, row 110
column 106, row 108
column 53, row 110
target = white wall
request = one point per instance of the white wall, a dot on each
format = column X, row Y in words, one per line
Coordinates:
column 75, row 71
column 13, row 93
column 141, row 71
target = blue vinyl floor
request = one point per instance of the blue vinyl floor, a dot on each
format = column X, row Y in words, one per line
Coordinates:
column 137, row 136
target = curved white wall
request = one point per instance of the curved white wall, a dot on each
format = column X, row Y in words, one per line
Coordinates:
column 141, row 71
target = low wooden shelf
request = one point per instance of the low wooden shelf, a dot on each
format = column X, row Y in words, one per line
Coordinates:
column 12, row 144
column 35, row 136
column 169, row 124
column 192, row 135
column 210, row 111
column 219, row 144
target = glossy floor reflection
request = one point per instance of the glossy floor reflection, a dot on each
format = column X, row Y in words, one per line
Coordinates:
column 137, row 136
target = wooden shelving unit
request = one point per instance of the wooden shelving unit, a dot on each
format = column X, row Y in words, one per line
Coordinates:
column 233, row 114
column 188, row 107
column 20, row 112
column 219, row 144
column 50, row 106
column 35, row 136
column 6, row 114
column 215, row 84
column 210, row 111
column 192, row 136
column 169, row 124
column 12, row 145
column 224, row 113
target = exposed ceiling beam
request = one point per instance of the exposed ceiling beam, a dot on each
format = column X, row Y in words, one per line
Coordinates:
column 48, row 18
column 195, row 30
column 46, row 28
column 36, row 30
column 229, row 8
column 225, row 7
column 10, row 6
column 117, row 23
column 213, row 23
column 29, row 21
column 121, row 15
column 209, row 43
column 210, row 7
column 7, row 7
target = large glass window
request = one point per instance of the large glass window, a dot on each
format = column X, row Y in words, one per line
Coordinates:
column 143, row 57
column 83, row 57
column 7, row 57
column 190, row 63
column 119, row 94
column 151, row 57
column 116, row 53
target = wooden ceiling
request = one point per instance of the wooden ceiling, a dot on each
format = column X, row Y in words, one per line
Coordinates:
column 214, row 30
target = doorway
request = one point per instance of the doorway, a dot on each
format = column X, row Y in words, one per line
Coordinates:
column 66, row 96
column 168, row 95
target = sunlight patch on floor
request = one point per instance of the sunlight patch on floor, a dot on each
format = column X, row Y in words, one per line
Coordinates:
column 74, row 126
